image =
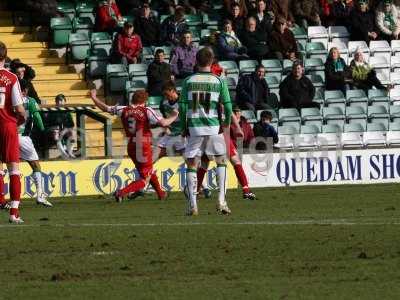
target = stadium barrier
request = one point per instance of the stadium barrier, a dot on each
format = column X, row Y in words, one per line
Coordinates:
column 103, row 176
column 323, row 168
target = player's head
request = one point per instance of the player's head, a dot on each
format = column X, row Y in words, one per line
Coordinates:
column 159, row 56
column 60, row 100
column 266, row 116
column 140, row 97
column 24, row 87
column 205, row 57
column 170, row 92
column 3, row 52
column 237, row 111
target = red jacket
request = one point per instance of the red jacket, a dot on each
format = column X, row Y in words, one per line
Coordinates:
column 104, row 19
column 129, row 46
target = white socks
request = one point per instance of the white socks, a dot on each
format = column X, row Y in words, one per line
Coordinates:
column 37, row 178
column 221, row 179
column 191, row 184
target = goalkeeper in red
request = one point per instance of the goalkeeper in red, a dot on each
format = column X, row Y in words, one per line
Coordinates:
column 137, row 120
column 201, row 119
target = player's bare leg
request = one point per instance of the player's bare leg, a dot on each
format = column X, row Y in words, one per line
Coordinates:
column 201, row 172
column 3, row 202
column 37, row 178
column 222, row 206
column 242, row 178
column 15, row 192
column 191, row 186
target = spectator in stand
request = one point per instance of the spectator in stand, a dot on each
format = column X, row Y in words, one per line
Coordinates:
column 341, row 10
column 326, row 18
column 362, row 23
column 252, row 91
column 236, row 19
column 158, row 73
column 183, row 57
column 147, row 27
column 248, row 134
column 364, row 76
column 263, row 129
column 25, row 72
column 173, row 27
column 255, row 40
column 306, row 13
column 229, row 45
column 242, row 4
column 263, row 18
column 283, row 8
column 296, row 90
column 283, row 43
column 127, row 46
column 337, row 73
column 387, row 20
column 108, row 16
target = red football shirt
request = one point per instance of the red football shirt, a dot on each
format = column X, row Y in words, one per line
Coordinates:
column 10, row 96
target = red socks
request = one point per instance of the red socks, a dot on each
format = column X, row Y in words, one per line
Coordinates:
column 156, row 185
column 201, row 172
column 2, row 198
column 241, row 176
column 132, row 188
column 15, row 193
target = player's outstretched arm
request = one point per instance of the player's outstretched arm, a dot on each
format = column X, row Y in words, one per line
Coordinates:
column 100, row 104
column 165, row 122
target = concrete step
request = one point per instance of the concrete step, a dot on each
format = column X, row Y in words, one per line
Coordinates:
column 24, row 45
column 54, row 70
column 58, row 77
column 14, row 29
column 32, row 53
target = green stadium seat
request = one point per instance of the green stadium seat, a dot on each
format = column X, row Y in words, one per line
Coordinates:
column 378, row 96
column 378, row 114
column 395, row 112
column 247, row 66
column 355, row 114
column 67, row 8
column 311, row 116
column 272, row 81
column 96, row 65
column 116, row 77
column 61, row 28
column 249, row 115
column 287, row 66
column 332, row 128
column 193, row 20
column 101, row 40
column 354, row 128
column 319, row 96
column 334, row 115
column 375, row 135
column 316, row 50
column 356, row 96
column 287, row 130
column 147, row 54
column 310, row 129
column 300, row 34
column 231, row 81
column 394, row 126
column 83, row 25
column 135, row 70
column 289, row 116
column 211, row 19
column 163, row 17
column 272, row 66
column 229, row 66
column 132, row 86
column 335, row 99
column 86, row 10
column 154, row 101
column 377, row 127
column 314, row 64
column 79, row 45
column 316, row 80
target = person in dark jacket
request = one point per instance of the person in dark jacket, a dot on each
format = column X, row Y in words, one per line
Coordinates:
column 283, row 43
column 236, row 19
column 296, row 90
column 362, row 23
column 248, row 134
column 158, row 73
column 228, row 44
column 337, row 73
column 147, row 27
column 306, row 12
column 263, row 18
column 252, row 91
column 263, row 129
column 340, row 12
column 23, row 71
column 108, row 16
column 173, row 27
column 255, row 40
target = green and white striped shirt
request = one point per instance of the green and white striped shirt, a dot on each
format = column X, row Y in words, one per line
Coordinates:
column 199, row 104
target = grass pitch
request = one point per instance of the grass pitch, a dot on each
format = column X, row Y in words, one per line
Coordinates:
column 294, row 243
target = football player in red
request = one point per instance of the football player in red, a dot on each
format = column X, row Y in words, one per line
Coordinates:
column 137, row 120
column 12, row 113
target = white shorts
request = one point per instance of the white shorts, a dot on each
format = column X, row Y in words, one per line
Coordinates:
column 211, row 145
column 27, row 151
column 177, row 143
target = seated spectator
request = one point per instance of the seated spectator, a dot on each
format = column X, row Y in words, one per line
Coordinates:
column 252, row 91
column 263, row 129
column 229, row 45
column 306, row 13
column 173, row 27
column 283, row 43
column 362, row 23
column 242, row 5
column 236, row 19
column 282, row 8
column 255, row 40
column 337, row 73
column 263, row 18
column 248, row 134
column 387, row 20
column 147, row 27
column 107, row 16
column 364, row 76
column 25, row 72
column 296, row 90
column 59, row 126
column 127, row 46
column 340, row 11
column 183, row 57
column 158, row 73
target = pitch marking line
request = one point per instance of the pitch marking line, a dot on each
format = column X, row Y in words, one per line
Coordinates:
column 339, row 222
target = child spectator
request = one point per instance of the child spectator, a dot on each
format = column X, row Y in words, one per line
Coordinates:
column 263, row 129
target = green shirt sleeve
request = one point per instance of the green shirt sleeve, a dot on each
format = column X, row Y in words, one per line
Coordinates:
column 183, row 105
column 226, row 102
column 34, row 112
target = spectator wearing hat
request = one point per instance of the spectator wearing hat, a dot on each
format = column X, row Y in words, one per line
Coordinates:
column 387, row 20
column 158, row 73
column 147, row 27
column 283, row 43
column 183, row 57
column 127, row 46
column 173, row 27
column 263, row 130
column 248, row 134
column 362, row 23
column 296, row 90
column 255, row 40
column 306, row 12
column 337, row 73
column 108, row 16
column 252, row 91
column 228, row 44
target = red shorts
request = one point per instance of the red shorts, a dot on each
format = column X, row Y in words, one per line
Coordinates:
column 232, row 148
column 9, row 143
column 142, row 157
